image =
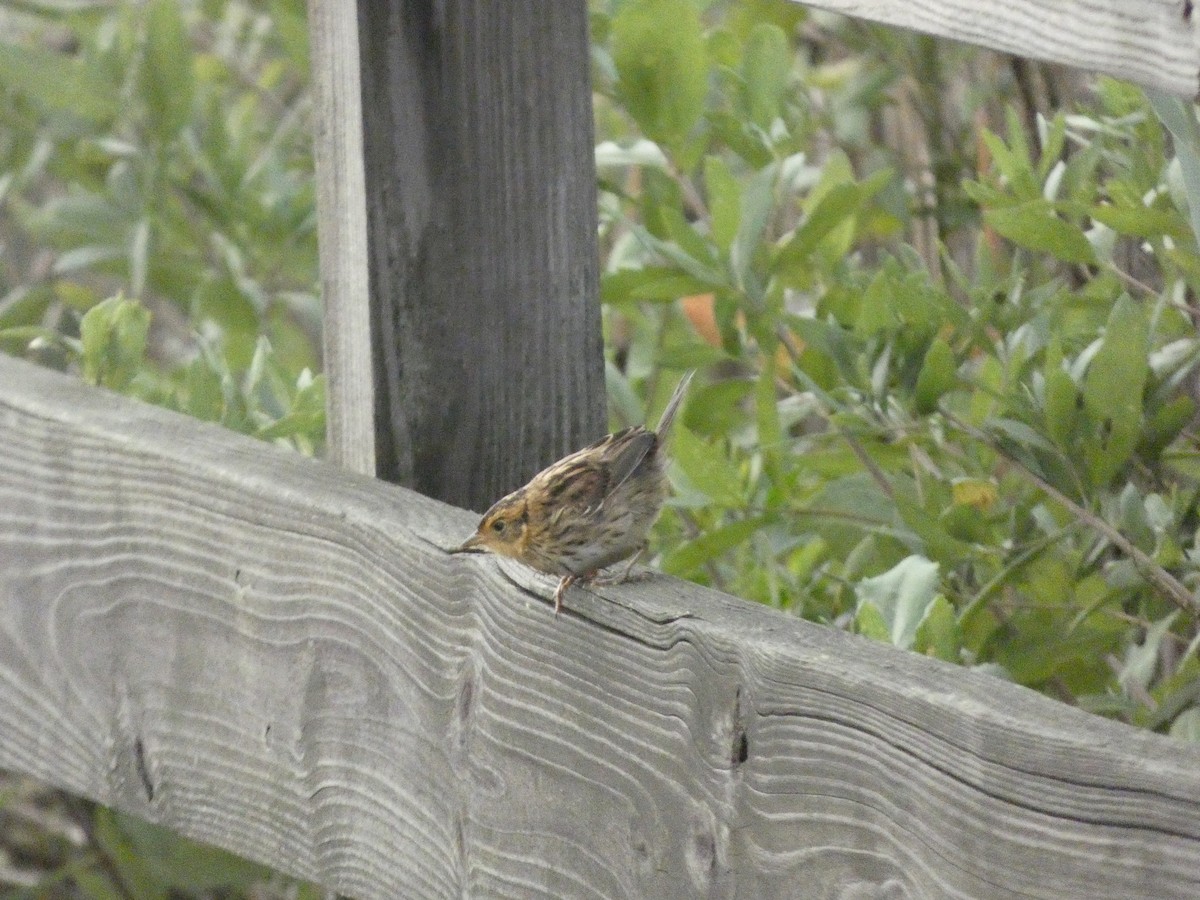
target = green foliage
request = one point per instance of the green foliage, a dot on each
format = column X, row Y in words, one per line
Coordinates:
column 982, row 454
column 661, row 71
column 151, row 861
column 167, row 160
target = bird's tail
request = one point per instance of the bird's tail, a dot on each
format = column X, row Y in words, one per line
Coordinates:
column 668, row 416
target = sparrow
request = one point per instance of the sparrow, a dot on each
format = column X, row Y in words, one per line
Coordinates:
column 589, row 510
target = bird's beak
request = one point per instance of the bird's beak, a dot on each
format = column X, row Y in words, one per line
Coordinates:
column 473, row 544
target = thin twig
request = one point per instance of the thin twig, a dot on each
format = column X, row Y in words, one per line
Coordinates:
column 1130, row 281
column 1166, row 583
column 856, row 448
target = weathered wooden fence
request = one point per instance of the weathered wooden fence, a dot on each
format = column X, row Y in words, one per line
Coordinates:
column 280, row 657
column 267, row 653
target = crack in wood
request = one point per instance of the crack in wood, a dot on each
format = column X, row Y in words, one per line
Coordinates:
column 143, row 771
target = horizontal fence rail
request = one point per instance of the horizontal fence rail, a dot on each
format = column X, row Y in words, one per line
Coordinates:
column 1151, row 42
column 264, row 652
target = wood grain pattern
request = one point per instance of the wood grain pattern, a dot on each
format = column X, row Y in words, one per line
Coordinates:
column 482, row 217
column 1151, row 42
column 268, row 653
column 342, row 234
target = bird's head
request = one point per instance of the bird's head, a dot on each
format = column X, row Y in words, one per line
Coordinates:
column 502, row 529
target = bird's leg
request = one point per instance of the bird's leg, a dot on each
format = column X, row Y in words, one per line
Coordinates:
column 624, row 576
column 633, row 560
column 563, row 584
column 566, row 582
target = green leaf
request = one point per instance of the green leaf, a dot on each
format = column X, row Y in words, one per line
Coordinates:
column 641, row 152
column 86, row 257
column 1180, row 119
column 869, row 622
column 837, row 205
column 714, row 410
column 770, row 432
column 688, row 237
column 939, row 374
column 1186, row 726
column 1141, row 221
column 1020, row 433
column 291, row 25
column 707, row 469
column 95, row 885
column 167, row 82
column 902, row 595
column 71, row 88
column 1060, row 410
column 113, row 338
column 306, row 417
column 701, row 270
column 1013, row 164
column 1035, row 225
column 1112, row 387
column 662, row 72
column 655, row 283
column 693, row 554
column 766, row 65
column 691, row 356
column 1170, row 419
column 724, row 201
column 218, row 299
column 183, row 864
column 25, row 305
column 135, row 871
column 939, row 634
column 1141, row 659
column 80, row 216
column 1053, row 141
column 1040, row 646
column 757, row 203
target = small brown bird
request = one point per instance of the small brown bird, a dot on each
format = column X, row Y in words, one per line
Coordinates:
column 589, row 510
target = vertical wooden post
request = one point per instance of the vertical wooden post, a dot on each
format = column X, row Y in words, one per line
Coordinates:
column 481, row 215
column 342, row 234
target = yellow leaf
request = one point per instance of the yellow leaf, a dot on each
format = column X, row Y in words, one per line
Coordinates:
column 975, row 492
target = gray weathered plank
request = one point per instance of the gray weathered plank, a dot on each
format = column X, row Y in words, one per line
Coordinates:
column 481, row 206
column 1151, row 42
column 342, row 234
column 265, row 652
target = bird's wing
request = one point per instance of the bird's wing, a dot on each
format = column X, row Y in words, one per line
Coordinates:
column 629, row 448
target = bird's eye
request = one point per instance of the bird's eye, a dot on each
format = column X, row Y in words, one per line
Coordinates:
column 498, row 525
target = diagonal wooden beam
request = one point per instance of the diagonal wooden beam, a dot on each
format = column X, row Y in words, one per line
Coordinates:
column 1154, row 43
column 277, row 656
